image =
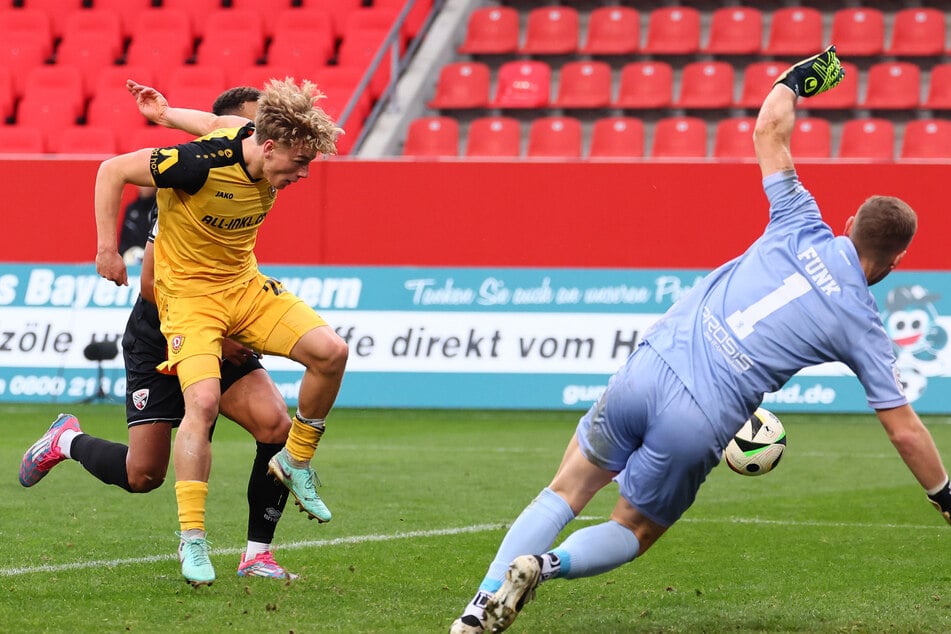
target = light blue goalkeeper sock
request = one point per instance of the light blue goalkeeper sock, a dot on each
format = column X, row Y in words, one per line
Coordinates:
column 596, row 549
column 532, row 533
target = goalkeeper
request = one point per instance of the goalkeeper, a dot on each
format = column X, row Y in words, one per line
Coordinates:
column 797, row 297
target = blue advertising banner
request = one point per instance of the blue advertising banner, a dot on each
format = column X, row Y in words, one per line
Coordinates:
column 453, row 337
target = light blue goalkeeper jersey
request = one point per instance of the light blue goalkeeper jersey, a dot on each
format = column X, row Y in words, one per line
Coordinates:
column 797, row 297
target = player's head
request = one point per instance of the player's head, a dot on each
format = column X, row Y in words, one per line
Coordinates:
column 241, row 101
column 881, row 231
column 292, row 130
column 288, row 114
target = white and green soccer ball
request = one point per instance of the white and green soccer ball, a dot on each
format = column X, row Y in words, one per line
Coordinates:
column 758, row 446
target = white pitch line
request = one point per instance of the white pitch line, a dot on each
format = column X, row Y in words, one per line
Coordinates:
column 476, row 528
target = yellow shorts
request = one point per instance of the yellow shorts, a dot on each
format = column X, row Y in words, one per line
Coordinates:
column 258, row 313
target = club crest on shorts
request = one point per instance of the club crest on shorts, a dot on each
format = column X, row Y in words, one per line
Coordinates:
column 140, row 398
column 176, row 343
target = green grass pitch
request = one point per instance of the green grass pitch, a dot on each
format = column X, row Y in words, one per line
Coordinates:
column 839, row 538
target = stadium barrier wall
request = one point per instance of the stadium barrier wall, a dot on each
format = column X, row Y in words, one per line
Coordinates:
column 458, row 213
column 414, row 256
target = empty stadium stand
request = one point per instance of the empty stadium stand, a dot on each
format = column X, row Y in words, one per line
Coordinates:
column 638, row 78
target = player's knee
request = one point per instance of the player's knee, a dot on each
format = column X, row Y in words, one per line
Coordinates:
column 145, row 481
column 334, row 356
column 274, row 426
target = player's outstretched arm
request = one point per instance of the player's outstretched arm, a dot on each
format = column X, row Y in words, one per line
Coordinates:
column 774, row 125
column 773, row 131
column 154, row 106
column 113, row 175
column 917, row 449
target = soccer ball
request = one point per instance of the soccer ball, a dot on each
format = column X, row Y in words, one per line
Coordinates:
column 758, row 446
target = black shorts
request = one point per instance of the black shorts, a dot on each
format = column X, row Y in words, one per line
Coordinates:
column 151, row 396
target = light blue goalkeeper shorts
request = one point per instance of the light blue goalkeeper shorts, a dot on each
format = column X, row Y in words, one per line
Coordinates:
column 648, row 427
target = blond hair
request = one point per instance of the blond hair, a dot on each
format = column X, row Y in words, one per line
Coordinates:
column 288, row 114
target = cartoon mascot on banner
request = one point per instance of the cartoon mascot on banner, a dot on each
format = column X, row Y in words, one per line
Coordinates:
column 911, row 320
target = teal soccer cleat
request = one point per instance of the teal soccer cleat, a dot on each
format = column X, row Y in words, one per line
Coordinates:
column 196, row 566
column 300, row 482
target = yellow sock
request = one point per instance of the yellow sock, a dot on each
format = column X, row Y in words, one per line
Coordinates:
column 302, row 440
column 191, row 496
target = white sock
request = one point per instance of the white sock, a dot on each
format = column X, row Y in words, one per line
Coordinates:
column 66, row 440
column 255, row 548
column 193, row 533
column 476, row 607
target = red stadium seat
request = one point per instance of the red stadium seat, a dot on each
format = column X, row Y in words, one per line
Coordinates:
column 844, row 97
column 50, row 117
column 645, row 85
column 195, row 86
column 233, row 40
column 88, row 53
column 858, row 31
column 462, row 85
column 302, row 36
column 432, row 137
column 258, row 76
column 266, row 10
column 161, row 40
column 60, row 84
column 551, row 30
column 554, row 137
column 339, row 83
column 92, row 38
column 735, row 31
column 21, row 139
column 917, row 32
column 499, row 137
column 706, row 85
column 795, row 31
column 613, row 31
column 584, row 85
column 939, row 88
column 926, row 139
column 733, row 138
column 33, row 24
column 893, row 86
column 103, row 23
column 867, row 138
column 758, row 80
column 375, row 18
column 127, row 10
column 491, row 31
column 57, row 12
column 338, row 10
column 523, row 84
column 115, row 108
column 416, row 17
column 113, row 78
column 359, row 48
column 84, row 139
column 673, row 31
column 680, row 137
column 7, row 96
column 617, row 137
column 21, row 53
column 812, row 138
column 197, row 12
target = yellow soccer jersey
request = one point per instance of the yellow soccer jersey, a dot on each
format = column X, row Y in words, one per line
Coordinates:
column 209, row 213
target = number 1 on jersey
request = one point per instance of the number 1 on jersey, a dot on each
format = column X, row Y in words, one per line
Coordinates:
column 742, row 322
